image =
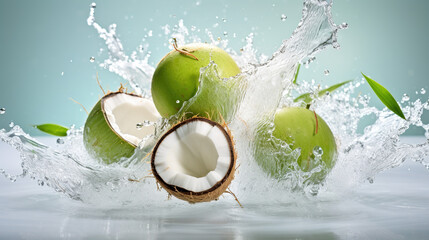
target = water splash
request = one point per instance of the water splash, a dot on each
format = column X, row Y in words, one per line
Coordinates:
column 138, row 72
column 264, row 86
column 315, row 31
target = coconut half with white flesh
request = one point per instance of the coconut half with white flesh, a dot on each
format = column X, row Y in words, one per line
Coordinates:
column 195, row 160
column 117, row 124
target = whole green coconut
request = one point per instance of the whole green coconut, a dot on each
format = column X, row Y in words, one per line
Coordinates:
column 176, row 78
column 299, row 129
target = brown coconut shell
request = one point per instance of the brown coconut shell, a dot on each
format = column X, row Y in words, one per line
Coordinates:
column 210, row 194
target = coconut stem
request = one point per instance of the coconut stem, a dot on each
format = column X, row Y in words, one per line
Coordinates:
column 100, row 85
column 140, row 179
column 80, row 105
column 235, row 197
column 147, row 156
column 158, row 188
column 244, row 122
column 121, row 89
column 317, row 122
column 182, row 51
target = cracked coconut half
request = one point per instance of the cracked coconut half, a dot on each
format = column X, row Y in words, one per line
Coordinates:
column 195, row 160
column 117, row 124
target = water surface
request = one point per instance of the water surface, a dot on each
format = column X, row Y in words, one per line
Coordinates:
column 395, row 206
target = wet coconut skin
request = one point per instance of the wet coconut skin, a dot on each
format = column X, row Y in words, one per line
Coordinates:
column 99, row 133
column 94, row 142
column 176, row 78
column 217, row 189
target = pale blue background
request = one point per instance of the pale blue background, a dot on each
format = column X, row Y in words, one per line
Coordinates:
column 41, row 39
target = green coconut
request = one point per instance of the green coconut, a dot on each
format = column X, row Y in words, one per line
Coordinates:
column 302, row 133
column 117, row 124
column 176, row 78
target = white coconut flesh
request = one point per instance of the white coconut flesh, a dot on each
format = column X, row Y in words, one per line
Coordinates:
column 130, row 116
column 195, row 156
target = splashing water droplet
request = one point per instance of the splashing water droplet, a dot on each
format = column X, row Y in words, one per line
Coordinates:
column 317, row 151
column 92, row 59
column 177, row 101
column 2, row 110
column 198, row 3
column 60, row 141
column 327, row 93
column 422, row 91
column 91, row 18
column 336, row 45
column 224, row 20
column 405, row 98
column 145, row 123
column 283, row 17
column 326, row 72
column 225, row 34
column 93, row 5
column 62, row 73
column 11, row 124
column 344, row 25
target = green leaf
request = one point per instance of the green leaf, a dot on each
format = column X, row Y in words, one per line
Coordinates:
column 297, row 72
column 306, row 97
column 385, row 96
column 53, row 129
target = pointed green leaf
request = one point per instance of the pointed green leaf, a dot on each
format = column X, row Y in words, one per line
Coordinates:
column 306, row 97
column 333, row 87
column 53, row 129
column 385, row 96
column 297, row 72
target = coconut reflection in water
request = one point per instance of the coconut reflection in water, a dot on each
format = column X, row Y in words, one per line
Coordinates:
column 261, row 88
